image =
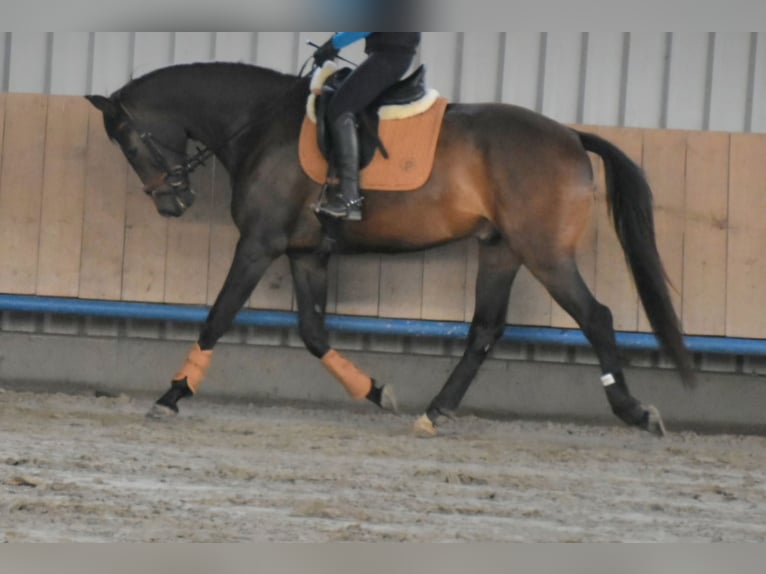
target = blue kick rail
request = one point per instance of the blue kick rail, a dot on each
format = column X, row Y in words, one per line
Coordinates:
column 362, row 325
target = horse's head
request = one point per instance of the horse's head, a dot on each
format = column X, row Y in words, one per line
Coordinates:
column 156, row 150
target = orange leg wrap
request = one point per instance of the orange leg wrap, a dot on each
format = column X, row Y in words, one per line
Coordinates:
column 355, row 381
column 195, row 367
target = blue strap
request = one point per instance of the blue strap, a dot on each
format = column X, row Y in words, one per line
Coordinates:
column 342, row 39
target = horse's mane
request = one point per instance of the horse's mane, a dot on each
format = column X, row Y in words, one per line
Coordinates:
column 229, row 67
column 241, row 72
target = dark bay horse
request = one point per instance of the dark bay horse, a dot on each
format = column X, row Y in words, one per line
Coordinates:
column 520, row 183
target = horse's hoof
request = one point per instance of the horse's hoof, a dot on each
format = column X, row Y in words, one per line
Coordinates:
column 424, row 428
column 160, row 412
column 388, row 399
column 383, row 396
column 654, row 422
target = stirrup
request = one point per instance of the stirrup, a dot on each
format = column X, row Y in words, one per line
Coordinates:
column 341, row 209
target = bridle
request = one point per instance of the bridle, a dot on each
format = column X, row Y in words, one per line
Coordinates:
column 175, row 176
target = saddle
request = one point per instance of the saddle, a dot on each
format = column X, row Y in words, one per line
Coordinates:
column 397, row 133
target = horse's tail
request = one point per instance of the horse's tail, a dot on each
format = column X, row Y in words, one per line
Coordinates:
column 629, row 200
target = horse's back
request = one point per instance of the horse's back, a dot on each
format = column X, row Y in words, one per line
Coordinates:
column 511, row 128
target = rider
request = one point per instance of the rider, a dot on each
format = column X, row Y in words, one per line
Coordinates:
column 390, row 55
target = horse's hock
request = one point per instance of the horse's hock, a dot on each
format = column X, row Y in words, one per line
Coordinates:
column 74, row 223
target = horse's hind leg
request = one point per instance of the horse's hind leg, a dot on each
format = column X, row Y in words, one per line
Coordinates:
column 310, row 278
column 497, row 269
column 565, row 284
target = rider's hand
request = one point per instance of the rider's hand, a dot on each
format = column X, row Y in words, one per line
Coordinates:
column 324, row 53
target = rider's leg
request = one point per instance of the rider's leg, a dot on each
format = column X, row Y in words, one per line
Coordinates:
column 378, row 72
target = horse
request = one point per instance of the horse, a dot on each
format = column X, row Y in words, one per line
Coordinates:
column 518, row 182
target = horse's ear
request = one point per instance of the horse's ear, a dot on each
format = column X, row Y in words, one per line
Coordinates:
column 104, row 104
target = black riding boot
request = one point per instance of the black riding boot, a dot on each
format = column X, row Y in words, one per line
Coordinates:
column 343, row 200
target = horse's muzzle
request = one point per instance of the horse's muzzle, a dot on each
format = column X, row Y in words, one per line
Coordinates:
column 173, row 202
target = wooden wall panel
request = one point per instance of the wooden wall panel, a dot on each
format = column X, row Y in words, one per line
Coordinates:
column 665, row 167
column 358, row 285
column 146, row 239
column 103, row 234
column 75, row 222
column 21, row 186
column 746, row 264
column 58, row 270
column 186, row 268
column 706, row 213
column 275, row 289
column 401, row 285
column 444, row 283
column 530, row 302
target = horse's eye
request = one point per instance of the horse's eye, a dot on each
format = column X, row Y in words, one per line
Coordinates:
column 131, row 153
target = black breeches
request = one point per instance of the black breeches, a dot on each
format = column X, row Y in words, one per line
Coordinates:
column 379, row 71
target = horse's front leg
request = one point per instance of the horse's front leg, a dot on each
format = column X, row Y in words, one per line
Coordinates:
column 310, row 277
column 251, row 259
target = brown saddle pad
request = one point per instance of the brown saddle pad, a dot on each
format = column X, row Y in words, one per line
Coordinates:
column 410, row 142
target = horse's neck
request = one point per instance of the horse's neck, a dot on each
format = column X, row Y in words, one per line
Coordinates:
column 252, row 102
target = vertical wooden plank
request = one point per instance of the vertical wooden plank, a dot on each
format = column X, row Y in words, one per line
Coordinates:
column 58, row 271
column 665, row 167
column 401, row 285
column 223, row 233
column 471, row 272
column 188, row 247
column 644, row 93
column 614, row 284
column 146, row 238
column 21, row 185
column 521, row 68
column 275, row 289
column 444, row 283
column 746, row 271
column 104, row 215
column 4, row 215
column 358, row 288
column 704, row 286
column 530, row 302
